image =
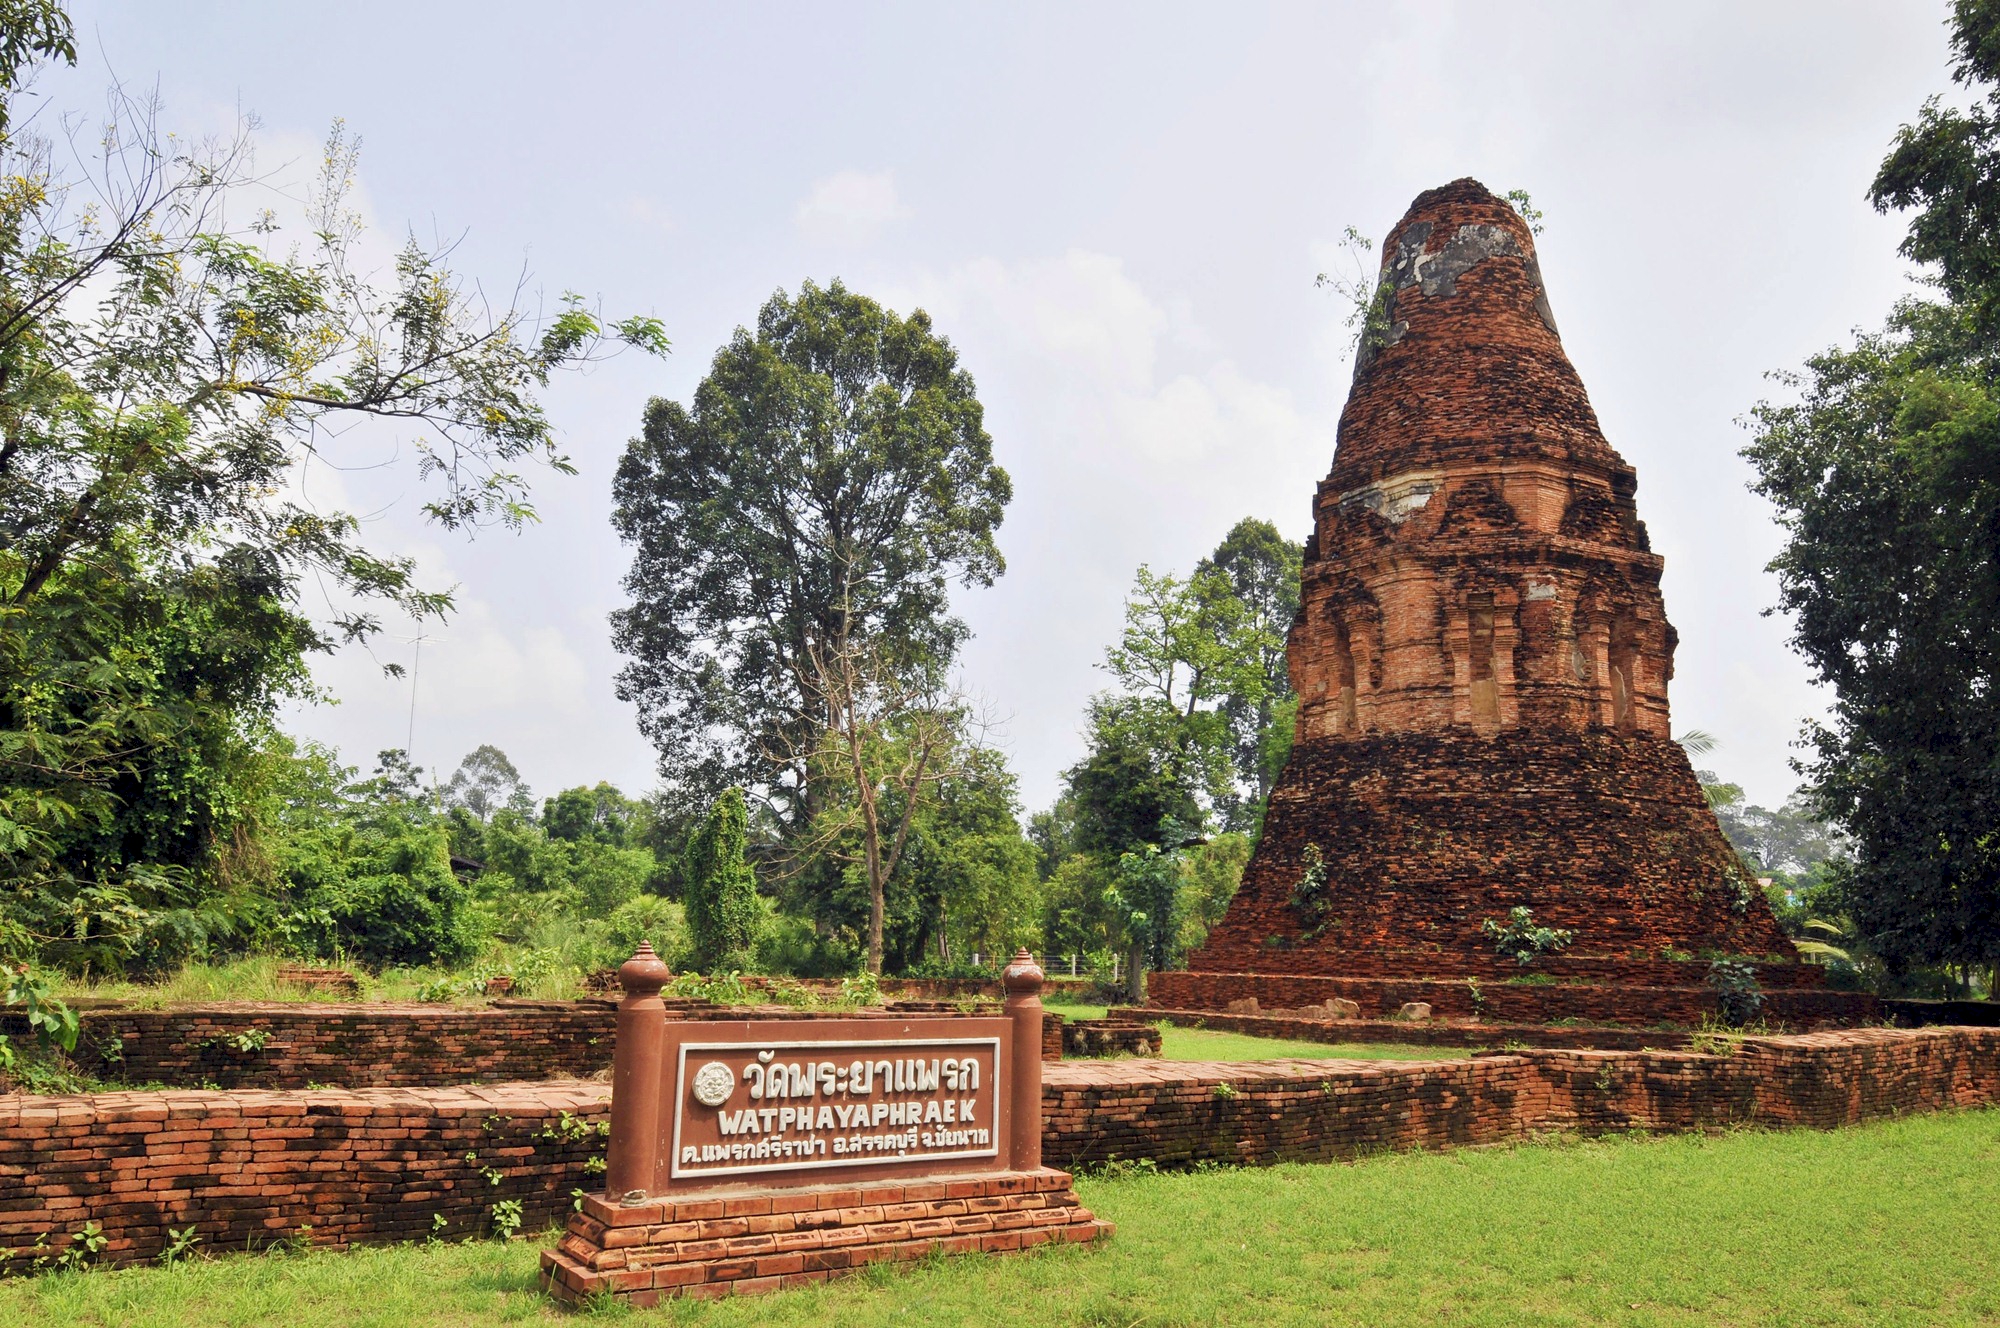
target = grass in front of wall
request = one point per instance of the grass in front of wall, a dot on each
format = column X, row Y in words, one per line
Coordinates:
column 255, row 978
column 1206, row 1044
column 1884, row 1226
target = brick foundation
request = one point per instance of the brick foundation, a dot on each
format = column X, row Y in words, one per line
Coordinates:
column 1502, row 1001
column 247, row 1169
column 375, row 1045
column 374, row 1165
column 1179, row 1113
column 733, row 1242
column 1121, row 1035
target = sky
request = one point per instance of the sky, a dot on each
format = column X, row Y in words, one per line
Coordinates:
column 1115, row 212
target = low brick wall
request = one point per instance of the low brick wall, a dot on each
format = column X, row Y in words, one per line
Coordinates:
column 371, row 1045
column 1513, row 1002
column 1421, row 1033
column 1112, row 1037
column 248, row 1169
column 368, row 1165
column 1183, row 1112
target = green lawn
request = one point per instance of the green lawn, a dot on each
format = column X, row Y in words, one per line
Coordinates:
column 1890, row 1224
column 1201, row 1044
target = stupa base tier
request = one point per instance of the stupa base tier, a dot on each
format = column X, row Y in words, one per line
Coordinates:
column 738, row 1242
column 1530, row 998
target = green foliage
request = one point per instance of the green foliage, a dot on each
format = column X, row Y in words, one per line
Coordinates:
column 1310, row 900
column 1738, row 997
column 169, row 362
column 1148, row 898
column 1522, row 938
column 830, row 478
column 720, row 889
column 1262, row 568
column 362, row 873
column 506, row 1218
column 180, row 1246
column 648, row 918
column 965, row 880
column 1886, row 476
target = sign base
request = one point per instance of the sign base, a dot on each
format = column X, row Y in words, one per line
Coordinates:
column 742, row 1241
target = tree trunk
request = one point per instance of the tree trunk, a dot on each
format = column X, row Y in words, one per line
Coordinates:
column 1135, row 974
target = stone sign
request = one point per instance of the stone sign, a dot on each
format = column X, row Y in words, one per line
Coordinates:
column 764, row 1102
column 760, row 1154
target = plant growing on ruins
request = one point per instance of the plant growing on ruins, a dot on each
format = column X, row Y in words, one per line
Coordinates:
column 180, row 1245
column 1738, row 997
column 1521, row 937
column 506, row 1218
column 1309, row 895
column 52, row 1022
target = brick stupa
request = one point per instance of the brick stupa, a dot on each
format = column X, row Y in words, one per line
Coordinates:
column 1482, row 656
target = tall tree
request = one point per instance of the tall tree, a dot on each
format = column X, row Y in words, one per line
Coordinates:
column 721, row 891
column 485, row 782
column 1886, row 476
column 170, row 363
column 1263, row 569
column 829, row 480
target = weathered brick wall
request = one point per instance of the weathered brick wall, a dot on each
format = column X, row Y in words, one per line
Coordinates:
column 1428, row 835
column 370, row 1165
column 248, row 1169
column 374, row 1045
column 350, row 1045
column 1179, row 1113
column 1501, row 1001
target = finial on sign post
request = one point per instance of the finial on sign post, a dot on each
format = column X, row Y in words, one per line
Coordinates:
column 631, row 1154
column 1022, row 981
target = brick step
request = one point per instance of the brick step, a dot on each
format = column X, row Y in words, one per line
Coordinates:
column 735, row 1242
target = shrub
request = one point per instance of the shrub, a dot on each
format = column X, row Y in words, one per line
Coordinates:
column 1521, row 938
column 647, row 918
column 1738, row 997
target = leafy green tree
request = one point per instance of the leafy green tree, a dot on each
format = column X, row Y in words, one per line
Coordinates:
column 1148, row 897
column 1262, row 568
column 361, row 873
column 721, row 891
column 485, row 782
column 966, row 880
column 1886, row 475
column 170, row 363
column 602, row 814
column 829, row 480
column 1128, row 785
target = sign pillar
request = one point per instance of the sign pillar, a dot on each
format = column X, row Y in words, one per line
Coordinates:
column 1023, row 983
column 632, row 1159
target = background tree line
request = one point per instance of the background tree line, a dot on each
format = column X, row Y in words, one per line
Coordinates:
column 829, row 799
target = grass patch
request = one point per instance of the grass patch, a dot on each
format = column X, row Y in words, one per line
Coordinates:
column 1207, row 1044
column 1882, row 1225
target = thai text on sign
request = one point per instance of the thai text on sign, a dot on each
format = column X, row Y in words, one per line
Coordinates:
column 743, row 1108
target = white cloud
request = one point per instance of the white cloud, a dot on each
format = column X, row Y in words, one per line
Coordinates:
column 851, row 207
column 1131, row 439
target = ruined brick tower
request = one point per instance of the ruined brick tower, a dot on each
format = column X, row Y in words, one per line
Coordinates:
column 1482, row 657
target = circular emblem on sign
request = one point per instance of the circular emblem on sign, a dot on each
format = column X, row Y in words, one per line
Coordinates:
column 713, row 1083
